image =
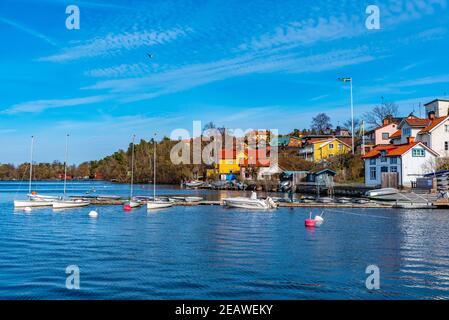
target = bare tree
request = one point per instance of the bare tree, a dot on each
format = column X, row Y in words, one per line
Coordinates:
column 321, row 122
column 209, row 125
column 357, row 125
column 375, row 117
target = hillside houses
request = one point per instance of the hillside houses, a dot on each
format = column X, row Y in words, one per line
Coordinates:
column 413, row 147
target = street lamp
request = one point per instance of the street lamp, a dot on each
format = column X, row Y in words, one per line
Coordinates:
column 352, row 110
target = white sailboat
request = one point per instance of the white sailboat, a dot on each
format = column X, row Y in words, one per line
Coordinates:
column 156, row 203
column 65, row 203
column 32, row 201
column 132, row 203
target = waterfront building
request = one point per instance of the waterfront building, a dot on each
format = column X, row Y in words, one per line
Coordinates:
column 318, row 150
column 405, row 162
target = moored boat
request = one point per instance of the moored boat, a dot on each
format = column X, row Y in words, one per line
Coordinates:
column 67, row 204
column 250, row 202
column 31, row 203
column 381, row 192
column 158, row 204
column 194, row 184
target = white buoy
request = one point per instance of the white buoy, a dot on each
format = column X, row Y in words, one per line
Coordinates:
column 319, row 220
column 93, row 214
column 27, row 209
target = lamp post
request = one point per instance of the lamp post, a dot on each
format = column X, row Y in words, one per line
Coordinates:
column 348, row 79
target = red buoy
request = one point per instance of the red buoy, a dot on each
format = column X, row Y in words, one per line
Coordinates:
column 310, row 223
column 127, row 207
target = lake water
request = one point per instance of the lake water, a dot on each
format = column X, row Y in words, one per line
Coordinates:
column 210, row 252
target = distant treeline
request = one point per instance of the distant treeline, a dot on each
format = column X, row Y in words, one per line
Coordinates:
column 116, row 167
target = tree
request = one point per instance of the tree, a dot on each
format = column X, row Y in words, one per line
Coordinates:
column 209, row 125
column 375, row 117
column 357, row 125
column 321, row 122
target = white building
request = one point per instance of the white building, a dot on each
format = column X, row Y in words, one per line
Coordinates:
column 433, row 131
column 409, row 161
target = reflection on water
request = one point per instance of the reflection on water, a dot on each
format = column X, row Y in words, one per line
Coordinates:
column 217, row 253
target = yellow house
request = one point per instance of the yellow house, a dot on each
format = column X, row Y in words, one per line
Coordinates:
column 228, row 163
column 329, row 148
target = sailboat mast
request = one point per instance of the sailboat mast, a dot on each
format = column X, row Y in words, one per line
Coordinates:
column 31, row 164
column 132, row 170
column 65, row 163
column 154, row 167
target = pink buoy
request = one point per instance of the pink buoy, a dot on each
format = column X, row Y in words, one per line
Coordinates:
column 310, row 223
column 127, row 207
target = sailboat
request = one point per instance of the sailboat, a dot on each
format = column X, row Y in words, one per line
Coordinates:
column 156, row 203
column 65, row 203
column 131, row 203
column 32, row 201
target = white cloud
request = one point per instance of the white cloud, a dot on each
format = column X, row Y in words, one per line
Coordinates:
column 41, row 105
column 183, row 78
column 128, row 70
column 113, row 44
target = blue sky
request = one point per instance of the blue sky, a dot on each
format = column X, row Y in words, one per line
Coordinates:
column 242, row 64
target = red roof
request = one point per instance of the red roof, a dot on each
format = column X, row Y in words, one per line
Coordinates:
column 396, row 135
column 417, row 122
column 433, row 124
column 393, row 150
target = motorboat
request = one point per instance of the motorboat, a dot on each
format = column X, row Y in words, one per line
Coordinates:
column 343, row 200
column 360, row 201
column 194, row 184
column 324, row 200
column 381, row 192
column 193, row 199
column 250, row 202
column 67, row 204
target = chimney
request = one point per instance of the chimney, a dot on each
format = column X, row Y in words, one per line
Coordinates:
column 410, row 140
column 431, row 115
column 387, row 120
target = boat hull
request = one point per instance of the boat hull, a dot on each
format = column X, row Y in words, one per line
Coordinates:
column 69, row 204
column 31, row 203
column 158, row 205
column 244, row 203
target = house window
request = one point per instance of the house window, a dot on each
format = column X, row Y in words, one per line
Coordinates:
column 385, row 136
column 384, row 169
column 394, row 160
column 406, row 132
column 372, row 161
column 340, row 146
column 446, row 146
column 393, row 169
column 446, row 128
column 331, row 146
column 418, row 153
column 373, row 173
column 331, row 155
